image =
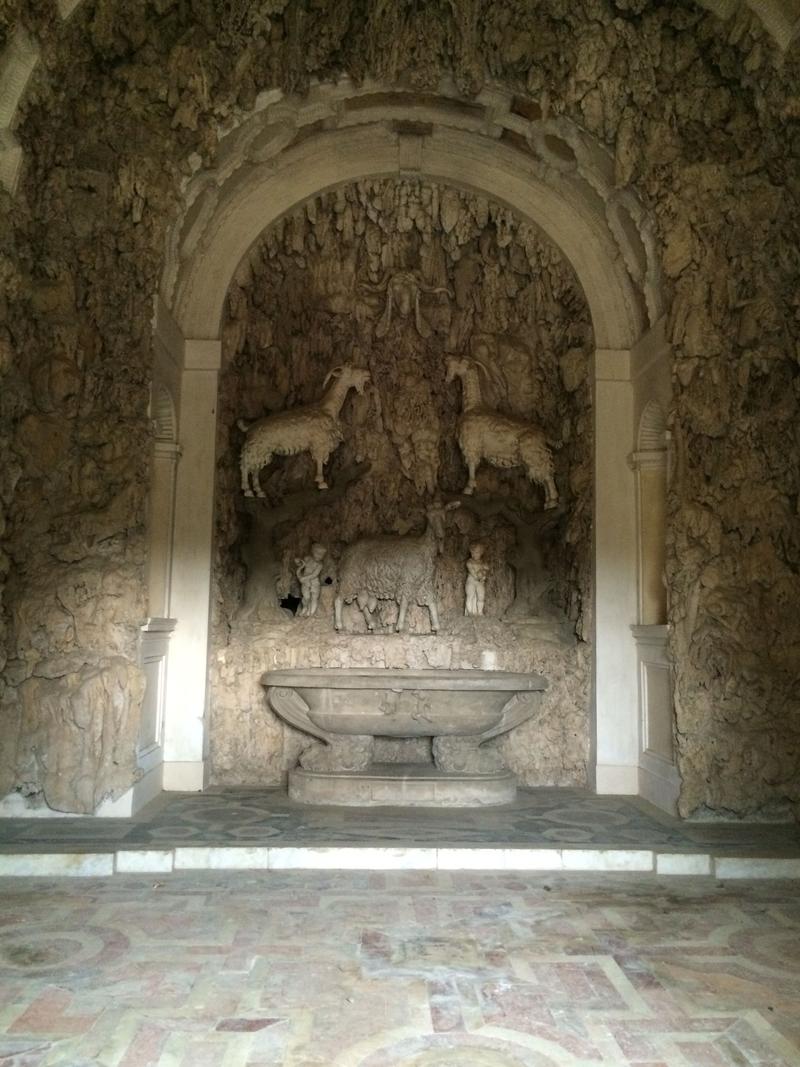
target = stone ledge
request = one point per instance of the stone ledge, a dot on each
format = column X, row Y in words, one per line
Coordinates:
column 389, row 857
column 404, row 785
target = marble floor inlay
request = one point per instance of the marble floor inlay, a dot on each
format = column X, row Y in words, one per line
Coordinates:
column 539, row 818
column 420, row 969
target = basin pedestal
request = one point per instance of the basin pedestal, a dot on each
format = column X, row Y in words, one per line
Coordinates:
column 402, row 785
column 347, row 708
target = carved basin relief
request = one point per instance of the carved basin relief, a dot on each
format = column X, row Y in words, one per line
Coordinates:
column 349, row 707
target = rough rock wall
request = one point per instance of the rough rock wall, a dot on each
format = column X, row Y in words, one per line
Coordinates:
column 734, row 522
column 395, row 276
column 74, row 481
column 77, row 261
column 703, row 119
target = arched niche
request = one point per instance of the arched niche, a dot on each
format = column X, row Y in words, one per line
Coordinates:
column 551, row 174
column 318, row 287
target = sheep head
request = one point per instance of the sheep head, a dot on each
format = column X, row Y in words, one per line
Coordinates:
column 358, row 377
column 456, row 368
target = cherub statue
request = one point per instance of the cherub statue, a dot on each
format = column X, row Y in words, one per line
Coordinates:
column 475, row 585
column 308, row 574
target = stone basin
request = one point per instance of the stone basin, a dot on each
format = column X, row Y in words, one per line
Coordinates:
column 348, row 707
column 385, row 702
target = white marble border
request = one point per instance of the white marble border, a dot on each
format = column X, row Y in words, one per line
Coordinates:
column 389, row 858
column 56, row 864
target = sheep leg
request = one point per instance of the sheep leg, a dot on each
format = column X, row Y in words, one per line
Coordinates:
column 246, row 479
column 252, row 477
column 337, row 613
column 433, row 611
column 551, row 494
column 401, row 614
column 319, row 477
column 363, row 601
column 472, row 466
column 548, row 484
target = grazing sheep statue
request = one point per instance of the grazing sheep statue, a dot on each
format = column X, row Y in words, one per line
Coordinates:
column 502, row 440
column 311, row 428
column 402, row 569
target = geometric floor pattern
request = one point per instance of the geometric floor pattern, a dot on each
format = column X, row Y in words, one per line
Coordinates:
column 562, row 817
column 423, row 969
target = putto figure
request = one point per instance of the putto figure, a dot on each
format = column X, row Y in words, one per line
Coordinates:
column 313, row 428
column 475, row 585
column 308, row 574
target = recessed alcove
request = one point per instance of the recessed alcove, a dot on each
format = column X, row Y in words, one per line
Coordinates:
column 396, row 276
column 210, row 266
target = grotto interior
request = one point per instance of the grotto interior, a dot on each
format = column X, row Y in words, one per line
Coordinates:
column 579, row 223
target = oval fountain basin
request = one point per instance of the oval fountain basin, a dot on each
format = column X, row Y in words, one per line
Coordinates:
column 388, row 702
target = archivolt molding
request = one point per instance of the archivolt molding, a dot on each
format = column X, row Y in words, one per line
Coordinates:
column 545, row 168
column 17, row 63
column 66, row 7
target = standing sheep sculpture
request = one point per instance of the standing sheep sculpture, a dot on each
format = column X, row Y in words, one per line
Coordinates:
column 502, row 440
column 402, row 569
column 311, row 428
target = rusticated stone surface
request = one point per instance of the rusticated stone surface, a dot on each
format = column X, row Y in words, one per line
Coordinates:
column 703, row 121
column 70, row 727
column 734, row 524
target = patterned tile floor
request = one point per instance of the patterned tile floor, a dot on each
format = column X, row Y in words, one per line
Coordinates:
column 539, row 818
column 423, row 969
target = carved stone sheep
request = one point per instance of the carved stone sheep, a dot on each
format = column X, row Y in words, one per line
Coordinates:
column 311, row 428
column 502, row 440
column 402, row 569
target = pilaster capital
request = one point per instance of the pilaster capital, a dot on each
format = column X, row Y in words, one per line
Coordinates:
column 202, row 354
column 649, row 459
column 167, row 450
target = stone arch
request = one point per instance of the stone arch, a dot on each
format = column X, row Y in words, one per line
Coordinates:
column 17, row 63
column 553, row 175
column 549, row 171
